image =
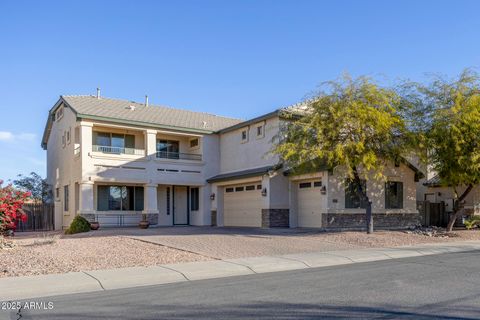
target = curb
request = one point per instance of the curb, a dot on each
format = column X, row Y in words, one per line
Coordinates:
column 25, row 287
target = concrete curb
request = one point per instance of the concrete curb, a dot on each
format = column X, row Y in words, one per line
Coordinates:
column 27, row 287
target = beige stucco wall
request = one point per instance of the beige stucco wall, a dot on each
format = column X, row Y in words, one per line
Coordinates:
column 62, row 166
column 375, row 191
column 236, row 155
column 447, row 194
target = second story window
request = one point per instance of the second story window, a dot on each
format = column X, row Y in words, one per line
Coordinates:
column 113, row 142
column 194, row 143
column 168, row 149
column 59, row 114
column 244, row 135
column 260, row 131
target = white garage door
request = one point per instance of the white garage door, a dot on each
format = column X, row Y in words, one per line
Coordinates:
column 243, row 205
column 310, row 204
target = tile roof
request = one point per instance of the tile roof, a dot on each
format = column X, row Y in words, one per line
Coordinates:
column 91, row 106
column 433, row 182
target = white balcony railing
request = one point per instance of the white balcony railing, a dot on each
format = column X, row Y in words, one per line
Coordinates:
column 118, row 150
column 178, row 155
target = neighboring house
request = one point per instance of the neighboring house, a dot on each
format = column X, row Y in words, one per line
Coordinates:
column 436, row 193
column 114, row 160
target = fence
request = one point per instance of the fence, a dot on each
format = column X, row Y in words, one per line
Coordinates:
column 40, row 217
column 433, row 214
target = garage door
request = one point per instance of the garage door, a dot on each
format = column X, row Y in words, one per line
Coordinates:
column 243, row 205
column 310, row 204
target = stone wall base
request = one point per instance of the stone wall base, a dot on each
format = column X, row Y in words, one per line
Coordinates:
column 357, row 221
column 275, row 218
column 152, row 218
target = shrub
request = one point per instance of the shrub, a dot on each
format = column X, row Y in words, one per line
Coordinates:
column 472, row 222
column 11, row 203
column 79, row 224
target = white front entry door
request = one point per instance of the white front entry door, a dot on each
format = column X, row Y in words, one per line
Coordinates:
column 180, row 205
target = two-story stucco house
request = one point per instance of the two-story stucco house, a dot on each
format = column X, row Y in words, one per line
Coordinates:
column 114, row 160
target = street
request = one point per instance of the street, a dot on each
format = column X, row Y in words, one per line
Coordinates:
column 445, row 286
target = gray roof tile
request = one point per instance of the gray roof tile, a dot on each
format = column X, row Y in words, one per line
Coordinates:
column 154, row 115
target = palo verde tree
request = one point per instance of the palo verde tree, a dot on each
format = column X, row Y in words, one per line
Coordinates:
column 454, row 135
column 353, row 126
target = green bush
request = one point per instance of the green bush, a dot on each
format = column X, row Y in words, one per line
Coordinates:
column 472, row 222
column 79, row 224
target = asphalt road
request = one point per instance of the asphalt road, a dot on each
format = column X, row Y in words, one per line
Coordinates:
column 443, row 286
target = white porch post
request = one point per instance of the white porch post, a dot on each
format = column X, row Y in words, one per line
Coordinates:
column 86, row 149
column 85, row 203
column 151, row 143
column 150, row 199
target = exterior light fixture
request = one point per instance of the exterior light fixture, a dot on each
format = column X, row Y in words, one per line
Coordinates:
column 264, row 192
column 323, row 190
column 212, row 196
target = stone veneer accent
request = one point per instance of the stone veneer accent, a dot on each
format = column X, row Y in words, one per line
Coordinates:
column 275, row 218
column 380, row 220
column 152, row 218
column 214, row 218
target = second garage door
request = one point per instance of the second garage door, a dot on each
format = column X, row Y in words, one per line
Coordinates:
column 310, row 204
column 243, row 205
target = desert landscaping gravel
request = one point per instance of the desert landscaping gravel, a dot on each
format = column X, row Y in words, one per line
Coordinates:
column 34, row 256
column 40, row 253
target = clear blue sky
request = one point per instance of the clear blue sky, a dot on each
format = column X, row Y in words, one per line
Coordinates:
column 234, row 58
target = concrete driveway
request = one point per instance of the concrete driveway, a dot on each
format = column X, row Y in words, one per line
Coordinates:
column 225, row 243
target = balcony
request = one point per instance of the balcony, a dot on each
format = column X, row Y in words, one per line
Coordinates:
column 118, row 150
column 179, row 156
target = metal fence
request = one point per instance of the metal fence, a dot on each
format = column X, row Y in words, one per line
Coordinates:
column 435, row 214
column 40, row 217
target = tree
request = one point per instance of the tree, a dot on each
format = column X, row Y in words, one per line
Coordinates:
column 11, row 203
column 352, row 125
column 35, row 184
column 454, row 135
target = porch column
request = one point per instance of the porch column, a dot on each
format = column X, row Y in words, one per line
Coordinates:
column 151, row 143
column 150, row 199
column 85, row 201
column 86, row 149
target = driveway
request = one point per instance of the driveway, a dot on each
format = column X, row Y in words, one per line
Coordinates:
column 224, row 243
column 227, row 243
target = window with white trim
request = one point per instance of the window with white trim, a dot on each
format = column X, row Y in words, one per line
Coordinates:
column 194, row 143
column 393, row 195
column 244, row 135
column 260, row 131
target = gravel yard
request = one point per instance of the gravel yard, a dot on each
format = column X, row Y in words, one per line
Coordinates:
column 38, row 254
column 35, row 253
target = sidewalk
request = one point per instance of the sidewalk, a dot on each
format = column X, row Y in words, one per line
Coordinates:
column 16, row 288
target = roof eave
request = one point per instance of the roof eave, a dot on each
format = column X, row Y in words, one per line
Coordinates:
column 249, row 122
column 81, row 116
column 48, row 125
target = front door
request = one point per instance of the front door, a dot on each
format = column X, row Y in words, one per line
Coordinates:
column 180, row 205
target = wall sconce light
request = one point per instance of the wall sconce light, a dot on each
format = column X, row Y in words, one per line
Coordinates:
column 212, row 196
column 264, row 192
column 439, row 194
column 323, row 190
